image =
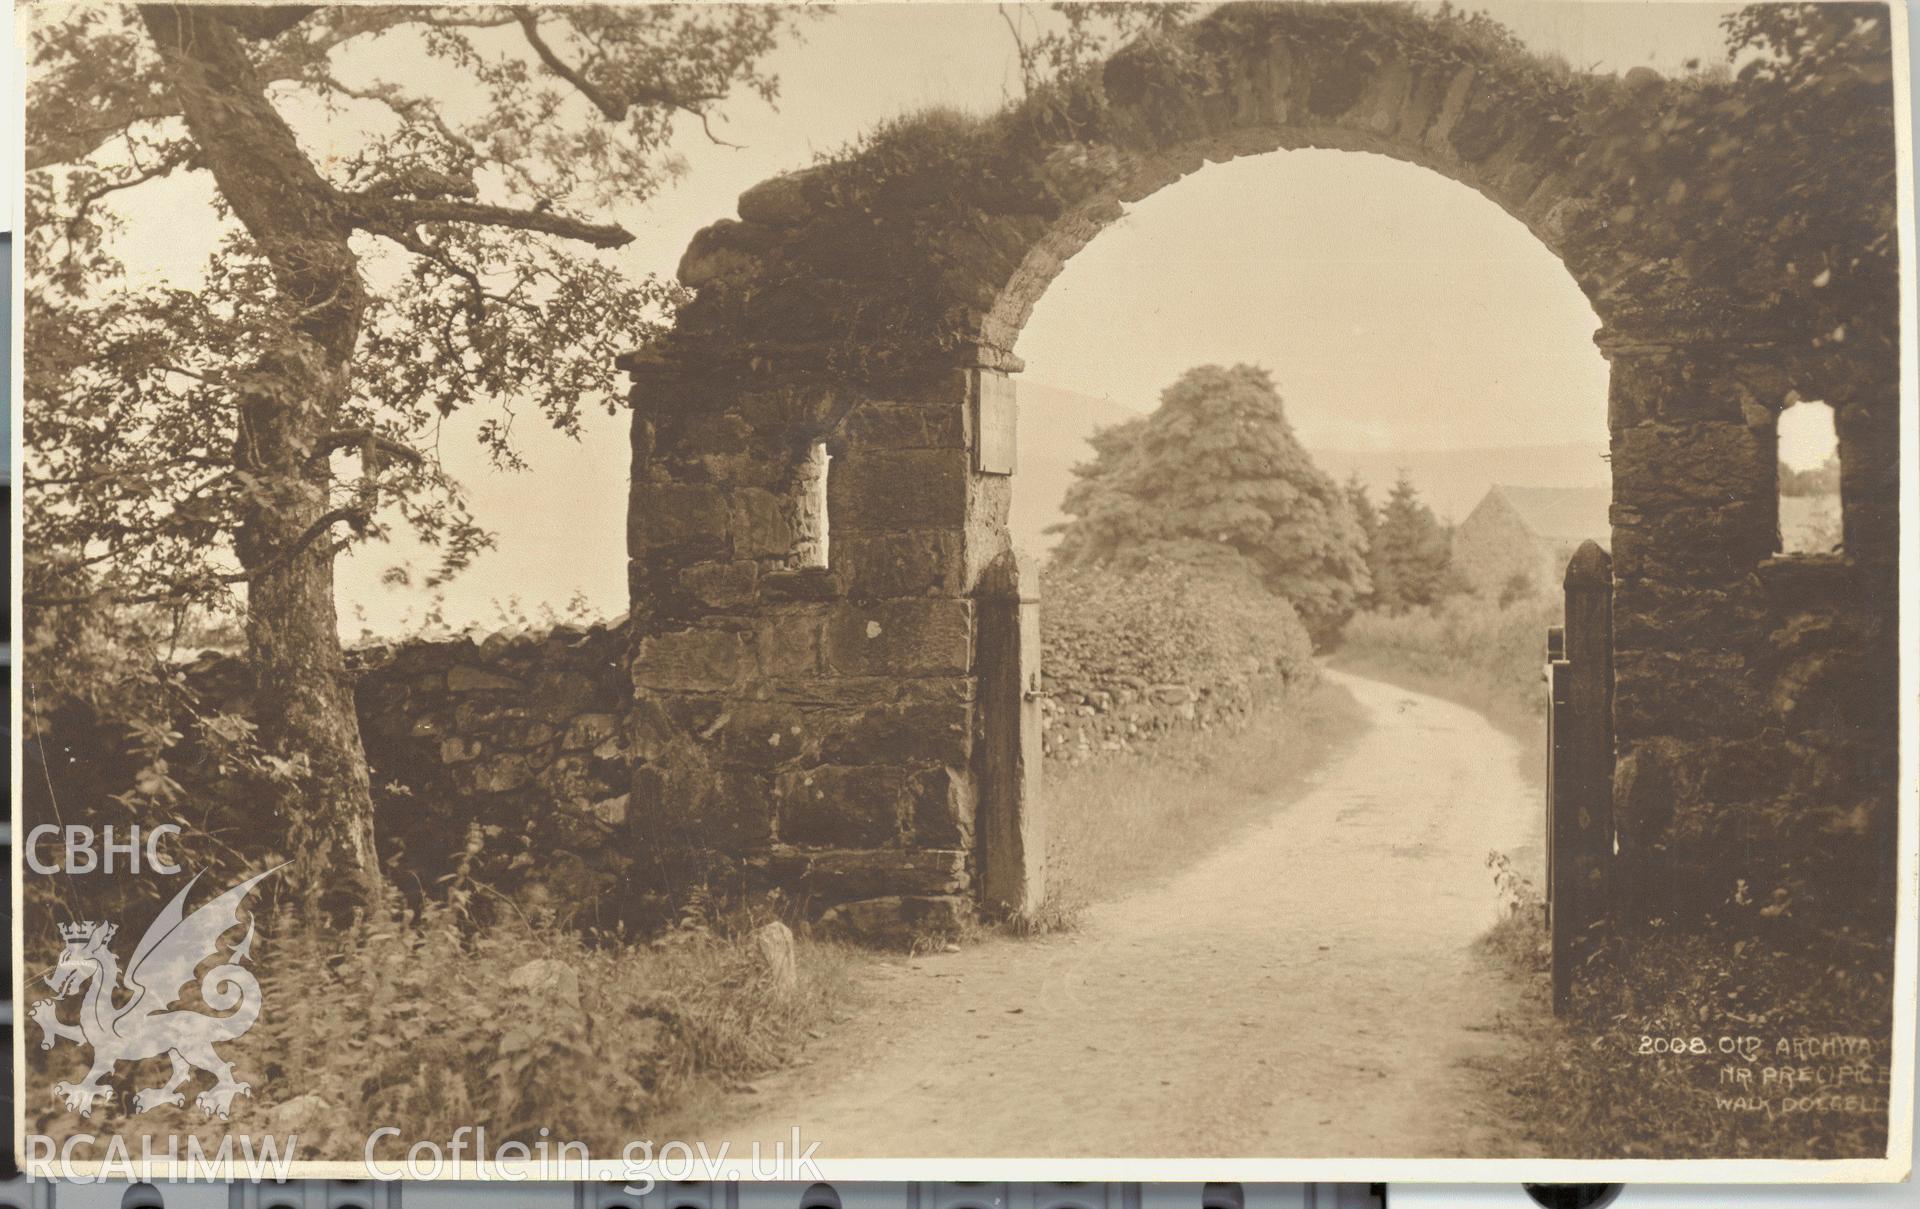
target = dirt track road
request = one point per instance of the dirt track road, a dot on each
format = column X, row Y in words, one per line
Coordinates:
column 1306, row 991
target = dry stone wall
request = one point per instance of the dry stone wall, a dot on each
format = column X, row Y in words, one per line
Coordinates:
column 1131, row 657
column 507, row 757
column 502, row 761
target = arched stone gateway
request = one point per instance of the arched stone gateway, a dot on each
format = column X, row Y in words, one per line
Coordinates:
column 826, row 726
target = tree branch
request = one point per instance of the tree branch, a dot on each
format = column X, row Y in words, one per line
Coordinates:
column 353, row 513
column 371, row 213
column 262, row 22
column 615, row 108
column 530, row 25
column 359, row 438
column 424, row 182
column 76, row 143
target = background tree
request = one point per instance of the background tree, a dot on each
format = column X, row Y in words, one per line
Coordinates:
column 1364, row 514
column 1411, row 557
column 393, row 250
column 1823, row 479
column 1215, row 476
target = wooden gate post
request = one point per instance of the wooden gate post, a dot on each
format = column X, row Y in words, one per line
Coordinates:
column 1589, row 617
column 1010, row 835
column 1562, row 792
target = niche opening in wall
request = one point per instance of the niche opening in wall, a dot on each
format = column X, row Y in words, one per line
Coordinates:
column 1809, row 452
column 810, row 506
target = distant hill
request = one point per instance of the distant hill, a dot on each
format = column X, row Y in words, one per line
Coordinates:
column 1055, row 424
column 1452, row 481
column 1054, row 427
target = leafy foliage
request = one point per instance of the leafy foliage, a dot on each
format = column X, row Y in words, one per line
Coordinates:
column 1081, row 35
column 486, row 292
column 1215, row 478
column 426, row 1022
column 1410, row 554
column 1823, row 479
column 1771, row 193
column 1587, row 1088
column 185, row 439
column 1463, row 650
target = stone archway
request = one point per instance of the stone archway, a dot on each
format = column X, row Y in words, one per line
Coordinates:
column 822, row 726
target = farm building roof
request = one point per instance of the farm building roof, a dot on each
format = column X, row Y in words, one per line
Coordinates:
column 1570, row 513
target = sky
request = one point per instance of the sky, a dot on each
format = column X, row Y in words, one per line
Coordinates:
column 1396, row 309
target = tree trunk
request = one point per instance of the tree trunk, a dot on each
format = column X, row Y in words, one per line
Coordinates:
column 303, row 697
column 294, row 395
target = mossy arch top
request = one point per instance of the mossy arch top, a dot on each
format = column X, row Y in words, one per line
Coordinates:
column 819, row 727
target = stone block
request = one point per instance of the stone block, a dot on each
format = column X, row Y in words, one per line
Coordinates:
column 1709, row 464
column 786, row 200
column 1694, row 543
column 799, row 583
column 842, row 806
column 716, row 254
column 1678, row 386
column 612, row 811
column 761, row 525
column 877, row 425
column 1691, row 693
column 685, row 517
column 787, row 641
column 521, row 734
column 757, row 734
column 697, row 659
column 932, row 637
column 864, row 692
column 651, row 728
column 676, row 810
column 898, row 920
column 590, row 730
column 888, row 490
column 920, row 562
column 944, row 802
column 501, row 774
column 721, row 585
column 1661, row 615
column 928, row 732
column 839, row 877
column 465, row 679
column 456, row 750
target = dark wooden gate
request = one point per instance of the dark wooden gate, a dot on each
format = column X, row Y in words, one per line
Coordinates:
column 1010, row 829
column 1579, row 825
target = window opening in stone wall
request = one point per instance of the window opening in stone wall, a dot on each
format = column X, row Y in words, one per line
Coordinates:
column 1809, row 480
column 810, row 507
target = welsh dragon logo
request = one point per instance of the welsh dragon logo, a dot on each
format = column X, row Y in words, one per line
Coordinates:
column 128, row 1016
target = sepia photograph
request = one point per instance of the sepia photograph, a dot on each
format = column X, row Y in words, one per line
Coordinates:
column 695, row 591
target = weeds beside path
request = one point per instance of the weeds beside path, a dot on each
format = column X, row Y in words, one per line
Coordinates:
column 1777, row 1057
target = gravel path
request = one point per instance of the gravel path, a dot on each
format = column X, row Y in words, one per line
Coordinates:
column 1307, row 991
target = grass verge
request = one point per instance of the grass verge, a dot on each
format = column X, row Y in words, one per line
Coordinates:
column 1778, row 1056
column 426, row 1024
column 1115, row 824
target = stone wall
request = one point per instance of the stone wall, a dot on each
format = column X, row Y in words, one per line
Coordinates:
column 1755, row 697
column 508, row 755
column 506, row 758
column 873, row 302
column 814, row 726
column 1128, row 658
